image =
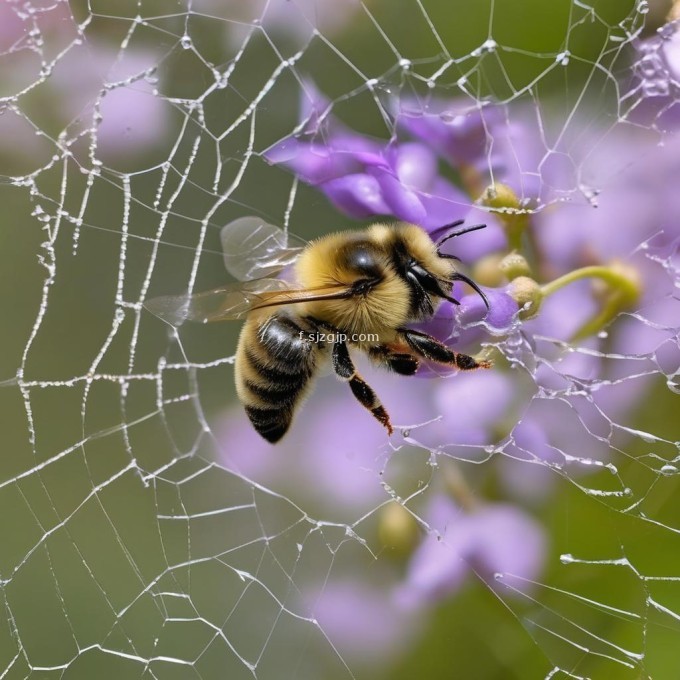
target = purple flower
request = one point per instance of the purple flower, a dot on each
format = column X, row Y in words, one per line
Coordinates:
column 363, row 180
column 363, row 621
column 460, row 132
column 363, row 177
column 551, row 407
column 655, row 88
column 464, row 326
column 495, row 541
column 487, row 145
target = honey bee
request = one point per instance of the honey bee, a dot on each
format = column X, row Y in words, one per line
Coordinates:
column 358, row 289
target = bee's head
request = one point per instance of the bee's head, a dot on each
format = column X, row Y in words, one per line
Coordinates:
column 429, row 273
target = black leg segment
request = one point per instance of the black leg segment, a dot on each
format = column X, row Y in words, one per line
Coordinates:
column 399, row 362
column 431, row 349
column 344, row 369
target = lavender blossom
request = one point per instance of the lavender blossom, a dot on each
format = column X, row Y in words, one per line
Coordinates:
column 487, row 146
column 495, row 541
column 364, row 180
column 586, row 284
column 364, row 622
column 363, row 177
column 654, row 92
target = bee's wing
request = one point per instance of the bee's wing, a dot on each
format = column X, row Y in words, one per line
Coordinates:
column 254, row 248
column 235, row 301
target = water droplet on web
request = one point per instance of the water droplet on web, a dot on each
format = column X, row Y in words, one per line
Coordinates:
column 673, row 384
column 603, row 335
column 454, row 119
column 563, row 58
column 649, row 65
column 405, row 64
column 656, row 87
column 590, row 194
column 185, row 42
column 667, row 31
column 645, row 436
column 643, row 7
column 668, row 470
column 566, row 558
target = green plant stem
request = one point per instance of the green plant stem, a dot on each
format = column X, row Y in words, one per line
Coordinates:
column 616, row 280
column 624, row 290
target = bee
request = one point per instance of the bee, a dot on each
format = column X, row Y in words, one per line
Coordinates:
column 352, row 289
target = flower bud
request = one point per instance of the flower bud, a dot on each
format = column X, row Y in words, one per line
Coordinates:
column 500, row 196
column 487, row 271
column 528, row 295
column 514, row 265
column 674, row 13
column 397, row 528
column 627, row 292
column 504, row 202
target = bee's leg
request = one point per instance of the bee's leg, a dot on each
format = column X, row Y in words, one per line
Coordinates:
column 344, row 369
column 431, row 349
column 402, row 363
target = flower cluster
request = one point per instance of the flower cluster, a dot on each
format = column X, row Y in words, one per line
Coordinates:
column 565, row 276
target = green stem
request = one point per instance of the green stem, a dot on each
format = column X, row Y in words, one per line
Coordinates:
column 617, row 280
column 624, row 291
column 515, row 226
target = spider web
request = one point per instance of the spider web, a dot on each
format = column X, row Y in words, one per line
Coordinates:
column 147, row 533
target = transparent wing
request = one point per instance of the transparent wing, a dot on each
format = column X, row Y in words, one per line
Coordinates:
column 232, row 301
column 235, row 301
column 254, row 248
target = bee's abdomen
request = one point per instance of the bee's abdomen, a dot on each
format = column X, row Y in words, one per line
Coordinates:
column 274, row 364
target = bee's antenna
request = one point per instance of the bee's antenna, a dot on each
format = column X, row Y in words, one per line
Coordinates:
column 435, row 233
column 460, row 232
column 472, row 284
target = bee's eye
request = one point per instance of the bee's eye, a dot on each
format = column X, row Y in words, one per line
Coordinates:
column 361, row 258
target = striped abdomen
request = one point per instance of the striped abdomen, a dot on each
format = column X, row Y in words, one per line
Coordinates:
column 274, row 363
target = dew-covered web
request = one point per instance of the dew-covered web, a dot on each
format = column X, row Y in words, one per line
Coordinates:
column 521, row 522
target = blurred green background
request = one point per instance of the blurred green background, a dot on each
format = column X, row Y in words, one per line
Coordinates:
column 92, row 573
